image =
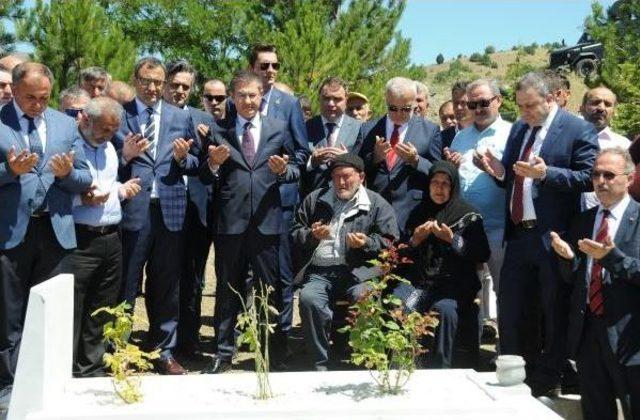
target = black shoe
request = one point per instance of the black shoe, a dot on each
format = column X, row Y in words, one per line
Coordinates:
column 217, row 365
column 5, row 397
column 548, row 390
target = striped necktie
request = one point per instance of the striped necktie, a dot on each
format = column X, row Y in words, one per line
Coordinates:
column 150, row 131
column 595, row 285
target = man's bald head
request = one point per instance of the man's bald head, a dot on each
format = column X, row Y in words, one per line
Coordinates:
column 12, row 60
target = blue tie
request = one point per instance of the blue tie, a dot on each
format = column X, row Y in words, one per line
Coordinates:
column 35, row 144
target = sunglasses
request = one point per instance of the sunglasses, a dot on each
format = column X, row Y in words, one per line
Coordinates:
column 217, row 98
column 265, row 66
column 405, row 109
column 607, row 175
column 72, row 112
column 484, row 103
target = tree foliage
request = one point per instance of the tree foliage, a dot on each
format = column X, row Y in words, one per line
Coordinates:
column 9, row 10
column 619, row 32
column 440, row 58
column 71, row 35
column 355, row 39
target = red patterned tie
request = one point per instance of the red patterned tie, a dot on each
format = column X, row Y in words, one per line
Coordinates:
column 395, row 138
column 517, row 203
column 595, row 285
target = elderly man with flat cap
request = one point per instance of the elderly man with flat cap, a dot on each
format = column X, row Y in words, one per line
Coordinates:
column 336, row 230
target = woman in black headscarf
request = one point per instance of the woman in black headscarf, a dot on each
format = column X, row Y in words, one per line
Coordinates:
column 447, row 244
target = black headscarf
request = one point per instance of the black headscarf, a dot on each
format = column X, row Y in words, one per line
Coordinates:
column 449, row 212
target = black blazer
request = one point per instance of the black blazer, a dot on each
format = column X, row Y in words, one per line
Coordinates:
column 621, row 284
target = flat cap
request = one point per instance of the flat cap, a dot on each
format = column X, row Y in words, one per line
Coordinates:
column 349, row 160
column 357, row 95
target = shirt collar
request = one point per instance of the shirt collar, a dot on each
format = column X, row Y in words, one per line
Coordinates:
column 20, row 113
column 552, row 114
column 390, row 124
column 338, row 122
column 142, row 107
column 617, row 210
column 490, row 128
column 605, row 133
column 241, row 121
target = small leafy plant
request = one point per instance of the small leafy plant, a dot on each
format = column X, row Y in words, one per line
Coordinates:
column 383, row 338
column 254, row 326
column 127, row 359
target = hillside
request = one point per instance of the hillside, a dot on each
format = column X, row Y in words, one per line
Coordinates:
column 441, row 90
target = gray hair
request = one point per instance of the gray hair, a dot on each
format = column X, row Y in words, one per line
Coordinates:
column 74, row 93
column 151, row 62
column 94, row 73
column 101, row 106
column 422, row 88
column 535, row 81
column 181, row 66
column 623, row 153
column 396, row 86
column 21, row 71
column 492, row 84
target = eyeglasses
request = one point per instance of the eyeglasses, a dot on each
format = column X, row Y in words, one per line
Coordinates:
column 484, row 103
column 72, row 112
column 607, row 175
column 405, row 109
column 217, row 98
column 184, row 86
column 265, row 66
column 148, row 82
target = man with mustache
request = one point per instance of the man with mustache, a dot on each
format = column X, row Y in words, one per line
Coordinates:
column 598, row 107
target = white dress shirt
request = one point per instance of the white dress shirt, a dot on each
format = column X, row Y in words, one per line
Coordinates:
column 529, row 212
column 142, row 121
column 255, row 130
column 334, row 136
column 613, row 223
column 40, row 123
column 402, row 131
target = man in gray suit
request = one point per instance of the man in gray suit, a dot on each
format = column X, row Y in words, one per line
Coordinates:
column 331, row 133
column 42, row 165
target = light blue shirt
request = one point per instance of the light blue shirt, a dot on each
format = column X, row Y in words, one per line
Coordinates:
column 478, row 188
column 103, row 165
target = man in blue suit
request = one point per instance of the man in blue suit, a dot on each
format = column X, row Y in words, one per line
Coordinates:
column 331, row 133
column 282, row 106
column 157, row 147
column 545, row 167
column 42, row 165
column 397, row 151
column 245, row 159
column 181, row 77
column 601, row 258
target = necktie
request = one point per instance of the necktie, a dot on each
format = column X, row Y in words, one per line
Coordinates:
column 595, row 285
column 331, row 127
column 150, row 131
column 35, row 144
column 395, row 138
column 263, row 105
column 517, row 203
column 248, row 144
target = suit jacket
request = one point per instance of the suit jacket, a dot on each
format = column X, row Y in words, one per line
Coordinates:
column 569, row 151
column 620, row 284
column 198, row 192
column 18, row 194
column 245, row 195
column 168, row 174
column 350, row 135
column 403, row 186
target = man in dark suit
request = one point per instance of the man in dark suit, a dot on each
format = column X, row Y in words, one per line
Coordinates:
column 282, row 106
column 463, row 118
column 180, row 79
column 545, row 167
column 601, row 258
column 247, row 158
column 397, row 152
column 42, row 165
column 158, row 148
column 331, row 133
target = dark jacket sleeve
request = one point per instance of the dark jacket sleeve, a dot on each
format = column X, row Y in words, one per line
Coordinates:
column 382, row 233
column 622, row 266
column 303, row 240
column 472, row 244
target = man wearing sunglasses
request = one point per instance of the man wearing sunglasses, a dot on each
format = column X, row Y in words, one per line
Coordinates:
column 214, row 98
column 275, row 103
column 545, row 167
column 488, row 131
column 396, row 150
column 601, row 258
column 72, row 101
column 181, row 77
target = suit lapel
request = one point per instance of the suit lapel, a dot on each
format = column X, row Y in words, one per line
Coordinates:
column 274, row 103
column 231, row 136
column 10, row 118
column 265, row 134
column 555, row 129
column 627, row 223
column 345, row 135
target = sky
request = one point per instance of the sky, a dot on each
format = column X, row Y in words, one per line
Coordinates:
column 453, row 27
